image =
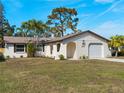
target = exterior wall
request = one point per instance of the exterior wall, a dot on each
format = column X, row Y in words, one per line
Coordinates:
column 79, row 51
column 84, row 50
column 39, row 53
column 107, row 52
column 9, row 51
column 63, row 51
column 47, row 51
column 55, row 54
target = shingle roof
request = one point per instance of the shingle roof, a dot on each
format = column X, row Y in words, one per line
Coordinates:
column 76, row 34
column 8, row 39
column 11, row 39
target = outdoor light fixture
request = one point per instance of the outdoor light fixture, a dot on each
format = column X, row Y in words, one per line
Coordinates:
column 83, row 43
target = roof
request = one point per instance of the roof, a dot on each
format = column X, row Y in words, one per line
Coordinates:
column 76, row 34
column 8, row 39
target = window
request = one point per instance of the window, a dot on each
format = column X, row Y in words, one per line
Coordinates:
column 51, row 49
column 19, row 48
column 83, row 43
column 58, row 47
column 39, row 47
column 43, row 48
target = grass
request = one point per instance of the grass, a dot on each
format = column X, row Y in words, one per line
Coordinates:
column 41, row 75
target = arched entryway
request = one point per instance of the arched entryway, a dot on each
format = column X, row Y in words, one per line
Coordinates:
column 71, row 47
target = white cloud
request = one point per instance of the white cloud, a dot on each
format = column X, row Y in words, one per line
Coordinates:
column 110, row 8
column 104, row 1
column 110, row 28
column 119, row 9
column 97, row 16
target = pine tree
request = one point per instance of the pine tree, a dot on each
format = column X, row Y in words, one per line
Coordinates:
column 62, row 19
column 1, row 22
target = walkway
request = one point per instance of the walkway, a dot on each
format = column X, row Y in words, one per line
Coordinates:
column 113, row 59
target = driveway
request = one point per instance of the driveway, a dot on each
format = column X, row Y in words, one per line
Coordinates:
column 113, row 59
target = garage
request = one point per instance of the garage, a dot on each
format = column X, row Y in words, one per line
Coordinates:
column 95, row 50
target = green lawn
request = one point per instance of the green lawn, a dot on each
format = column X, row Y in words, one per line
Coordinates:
column 40, row 75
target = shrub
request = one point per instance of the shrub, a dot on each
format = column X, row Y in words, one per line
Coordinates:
column 121, row 53
column 61, row 57
column 113, row 53
column 21, row 56
column 2, row 58
column 83, row 57
column 7, row 57
column 31, row 49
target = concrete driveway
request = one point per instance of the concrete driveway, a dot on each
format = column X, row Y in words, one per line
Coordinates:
column 112, row 59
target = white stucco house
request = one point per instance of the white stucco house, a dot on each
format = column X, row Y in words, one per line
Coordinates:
column 73, row 46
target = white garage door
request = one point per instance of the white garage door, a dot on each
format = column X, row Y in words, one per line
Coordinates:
column 95, row 50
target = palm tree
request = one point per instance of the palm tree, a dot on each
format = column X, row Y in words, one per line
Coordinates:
column 35, row 28
column 25, row 28
column 116, row 44
column 19, row 32
column 55, row 32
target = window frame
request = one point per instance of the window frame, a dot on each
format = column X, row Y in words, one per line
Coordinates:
column 16, row 48
column 58, row 47
column 39, row 47
column 51, row 49
column 43, row 47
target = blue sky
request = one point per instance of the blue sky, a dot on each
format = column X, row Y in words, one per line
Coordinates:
column 105, row 17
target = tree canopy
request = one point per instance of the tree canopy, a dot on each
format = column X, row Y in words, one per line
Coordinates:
column 62, row 19
column 116, row 42
column 33, row 28
column 5, row 28
column 58, row 22
column 1, row 21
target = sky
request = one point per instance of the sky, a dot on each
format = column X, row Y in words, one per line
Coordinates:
column 105, row 17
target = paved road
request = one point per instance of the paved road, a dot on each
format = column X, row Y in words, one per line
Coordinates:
column 113, row 59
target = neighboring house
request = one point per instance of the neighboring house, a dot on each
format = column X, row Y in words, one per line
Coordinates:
column 73, row 46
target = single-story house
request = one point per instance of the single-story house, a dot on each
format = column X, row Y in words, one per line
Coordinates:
column 73, row 46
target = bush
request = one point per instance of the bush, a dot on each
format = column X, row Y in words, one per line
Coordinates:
column 113, row 53
column 7, row 57
column 61, row 57
column 2, row 58
column 21, row 56
column 121, row 53
column 83, row 57
column 31, row 49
